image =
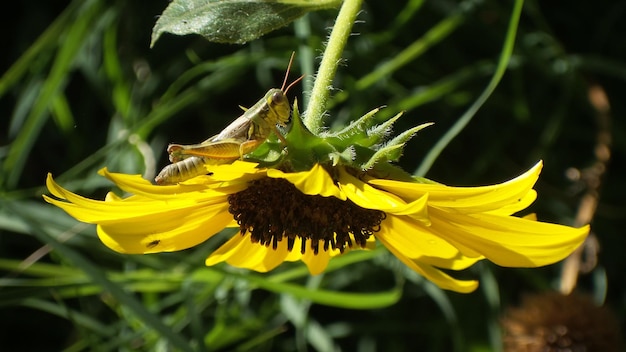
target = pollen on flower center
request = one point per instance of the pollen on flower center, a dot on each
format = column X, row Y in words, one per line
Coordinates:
column 273, row 209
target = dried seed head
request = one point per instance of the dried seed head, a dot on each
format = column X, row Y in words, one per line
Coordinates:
column 273, row 210
column 552, row 322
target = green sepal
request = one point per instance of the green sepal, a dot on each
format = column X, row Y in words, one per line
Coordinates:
column 363, row 131
column 384, row 129
column 356, row 130
column 305, row 149
column 352, row 147
column 342, row 158
column 392, row 150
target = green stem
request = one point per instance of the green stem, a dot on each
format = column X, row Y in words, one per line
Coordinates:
column 313, row 116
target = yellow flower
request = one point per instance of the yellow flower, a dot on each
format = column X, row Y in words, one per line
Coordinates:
column 317, row 214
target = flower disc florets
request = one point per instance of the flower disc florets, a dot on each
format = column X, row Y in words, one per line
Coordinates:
column 272, row 210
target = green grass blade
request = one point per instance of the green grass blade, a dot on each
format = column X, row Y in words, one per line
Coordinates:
column 503, row 62
column 75, row 37
column 46, row 41
column 98, row 276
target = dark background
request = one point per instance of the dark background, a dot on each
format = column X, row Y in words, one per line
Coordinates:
column 540, row 110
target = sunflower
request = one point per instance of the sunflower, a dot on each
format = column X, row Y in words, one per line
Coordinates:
column 321, row 212
column 324, row 194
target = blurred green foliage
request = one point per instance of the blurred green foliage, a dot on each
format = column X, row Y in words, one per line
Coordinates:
column 81, row 89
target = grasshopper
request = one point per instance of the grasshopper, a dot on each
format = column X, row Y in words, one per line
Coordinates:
column 241, row 137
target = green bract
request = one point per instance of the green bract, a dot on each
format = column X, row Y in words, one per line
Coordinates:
column 363, row 145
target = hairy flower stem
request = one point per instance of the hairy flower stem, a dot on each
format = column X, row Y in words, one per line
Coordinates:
column 313, row 116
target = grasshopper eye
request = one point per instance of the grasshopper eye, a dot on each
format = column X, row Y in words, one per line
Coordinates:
column 278, row 97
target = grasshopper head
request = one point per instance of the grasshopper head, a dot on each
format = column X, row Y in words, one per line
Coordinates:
column 279, row 104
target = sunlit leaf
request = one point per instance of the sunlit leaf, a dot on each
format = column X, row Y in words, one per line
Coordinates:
column 232, row 21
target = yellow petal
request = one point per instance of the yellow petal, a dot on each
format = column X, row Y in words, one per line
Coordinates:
column 467, row 199
column 165, row 232
column 531, row 216
column 136, row 184
column 240, row 171
column 313, row 182
column 509, row 241
column 224, row 252
column 438, row 277
column 116, row 209
column 240, row 252
column 62, row 193
column 317, row 263
column 513, row 208
column 369, row 197
column 461, row 262
column 139, row 224
column 416, row 242
column 106, row 212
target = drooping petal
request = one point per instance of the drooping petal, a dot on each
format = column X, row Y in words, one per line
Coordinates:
column 137, row 185
column 138, row 224
column 509, row 241
column 415, row 241
column 165, row 233
column 313, row 182
column 513, row 208
column 369, row 197
column 225, row 251
column 318, row 263
column 196, row 188
column 467, row 199
column 240, row 252
column 438, row 277
column 115, row 209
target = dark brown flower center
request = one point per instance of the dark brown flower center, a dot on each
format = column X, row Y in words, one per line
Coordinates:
column 273, row 210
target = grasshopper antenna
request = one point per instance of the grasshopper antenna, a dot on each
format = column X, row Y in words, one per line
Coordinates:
column 293, row 53
column 292, row 83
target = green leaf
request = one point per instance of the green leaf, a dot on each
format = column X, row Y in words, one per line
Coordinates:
column 232, row 21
